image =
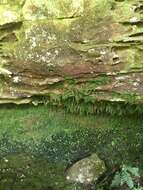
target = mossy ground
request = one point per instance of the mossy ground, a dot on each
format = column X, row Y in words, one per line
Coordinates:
column 37, row 144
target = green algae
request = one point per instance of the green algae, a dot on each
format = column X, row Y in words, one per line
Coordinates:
column 37, row 144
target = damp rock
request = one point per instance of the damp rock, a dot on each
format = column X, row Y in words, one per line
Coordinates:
column 87, row 170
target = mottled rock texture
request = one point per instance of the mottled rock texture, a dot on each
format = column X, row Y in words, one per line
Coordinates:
column 87, row 170
column 71, row 50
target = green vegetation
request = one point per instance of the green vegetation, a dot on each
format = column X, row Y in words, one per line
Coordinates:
column 40, row 137
column 127, row 176
column 83, row 57
column 82, row 102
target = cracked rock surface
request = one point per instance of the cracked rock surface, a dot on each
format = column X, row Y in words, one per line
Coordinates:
column 56, row 48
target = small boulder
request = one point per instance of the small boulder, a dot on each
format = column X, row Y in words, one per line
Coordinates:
column 86, row 171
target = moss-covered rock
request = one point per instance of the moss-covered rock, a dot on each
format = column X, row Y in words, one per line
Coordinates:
column 57, row 49
column 9, row 14
column 52, row 9
column 87, row 170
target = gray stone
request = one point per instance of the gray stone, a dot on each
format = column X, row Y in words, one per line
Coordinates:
column 87, row 170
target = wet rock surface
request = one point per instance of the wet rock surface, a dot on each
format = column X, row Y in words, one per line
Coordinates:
column 86, row 171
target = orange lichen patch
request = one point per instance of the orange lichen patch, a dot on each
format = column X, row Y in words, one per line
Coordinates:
column 33, row 8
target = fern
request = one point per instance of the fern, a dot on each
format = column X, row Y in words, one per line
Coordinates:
column 138, row 188
column 133, row 170
column 126, row 177
column 116, row 181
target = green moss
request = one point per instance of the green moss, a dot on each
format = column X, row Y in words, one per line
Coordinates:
column 48, row 141
column 87, row 100
column 52, row 9
column 101, row 80
column 9, row 14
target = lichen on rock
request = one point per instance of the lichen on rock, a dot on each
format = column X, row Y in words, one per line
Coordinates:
column 64, row 47
column 37, row 9
column 87, row 170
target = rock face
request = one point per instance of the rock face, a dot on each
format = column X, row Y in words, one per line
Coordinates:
column 87, row 170
column 52, row 9
column 65, row 50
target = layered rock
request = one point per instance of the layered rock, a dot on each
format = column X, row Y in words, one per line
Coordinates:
column 86, row 50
